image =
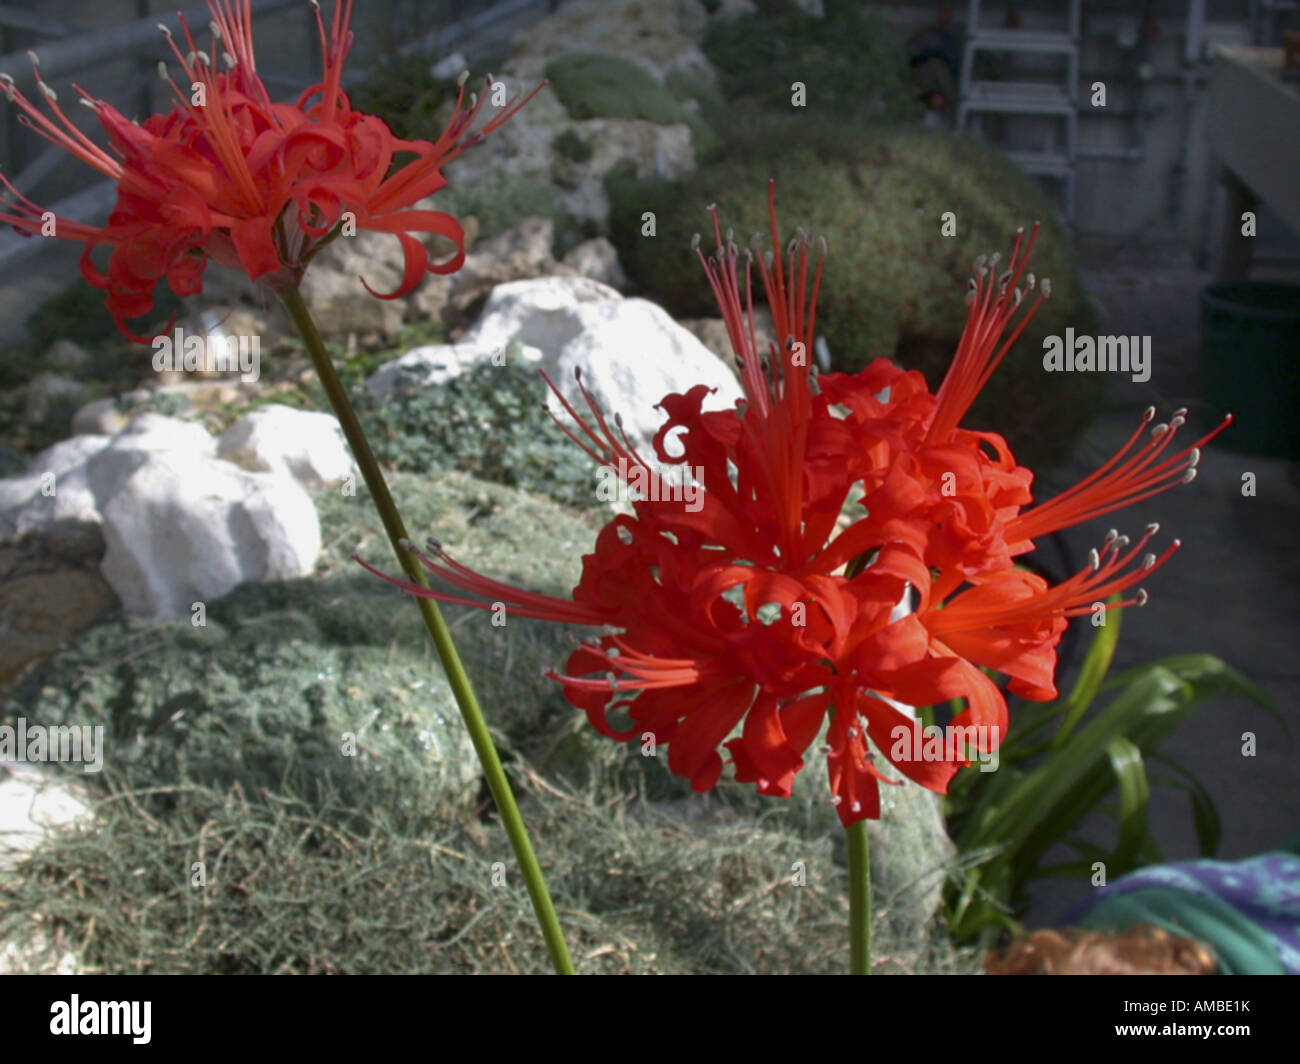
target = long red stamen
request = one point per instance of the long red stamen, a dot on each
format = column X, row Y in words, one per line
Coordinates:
column 1109, row 573
column 1118, row 483
column 979, row 353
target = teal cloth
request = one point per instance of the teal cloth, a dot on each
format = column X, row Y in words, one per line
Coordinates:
column 1240, row 946
column 1247, row 912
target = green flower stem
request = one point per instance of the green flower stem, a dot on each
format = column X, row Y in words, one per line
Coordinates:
column 859, row 899
column 497, row 782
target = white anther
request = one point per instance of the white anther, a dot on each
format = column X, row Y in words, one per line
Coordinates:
column 836, row 799
column 1141, row 598
column 1150, row 414
column 1046, row 288
column 162, row 70
column 1122, row 542
column 1094, row 559
column 1189, row 476
column 1194, row 458
column 1148, row 560
column 1153, row 528
column 48, row 92
column 856, row 807
column 1177, row 421
column 164, row 31
column 1159, row 430
column 36, row 60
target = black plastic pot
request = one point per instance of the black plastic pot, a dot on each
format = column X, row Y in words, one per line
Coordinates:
column 1250, row 364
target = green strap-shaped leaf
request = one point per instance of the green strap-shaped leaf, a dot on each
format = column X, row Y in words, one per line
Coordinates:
column 1096, row 664
column 1205, row 813
column 1134, row 797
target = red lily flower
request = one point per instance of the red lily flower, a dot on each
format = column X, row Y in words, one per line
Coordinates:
column 227, row 174
column 754, row 610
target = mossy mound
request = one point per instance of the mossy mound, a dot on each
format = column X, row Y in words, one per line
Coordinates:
column 595, row 85
column 430, row 430
column 223, row 748
column 504, row 203
column 893, row 284
column 851, row 65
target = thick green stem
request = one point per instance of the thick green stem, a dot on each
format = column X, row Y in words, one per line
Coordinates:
column 859, row 899
column 497, row 782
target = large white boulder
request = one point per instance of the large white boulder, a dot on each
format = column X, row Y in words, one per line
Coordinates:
column 308, row 446
column 179, row 523
column 180, row 528
column 53, row 489
column 145, row 436
column 630, row 351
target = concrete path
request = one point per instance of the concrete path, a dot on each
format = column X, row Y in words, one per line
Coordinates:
column 1233, row 590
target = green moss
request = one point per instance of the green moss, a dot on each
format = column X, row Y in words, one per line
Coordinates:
column 403, row 93
column 692, row 87
column 223, row 746
column 893, row 285
column 422, row 429
column 78, row 313
column 13, row 463
column 853, row 66
column 501, row 203
column 573, row 146
column 595, row 85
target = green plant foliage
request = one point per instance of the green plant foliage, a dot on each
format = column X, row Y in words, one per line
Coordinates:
column 595, row 85
column 489, row 422
column 504, row 202
column 573, row 146
column 692, row 87
column 12, row 463
column 404, row 93
column 1055, row 767
column 893, row 286
column 223, row 745
column 853, row 66
column 78, row 313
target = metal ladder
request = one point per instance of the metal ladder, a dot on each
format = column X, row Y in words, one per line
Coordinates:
column 1027, row 97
